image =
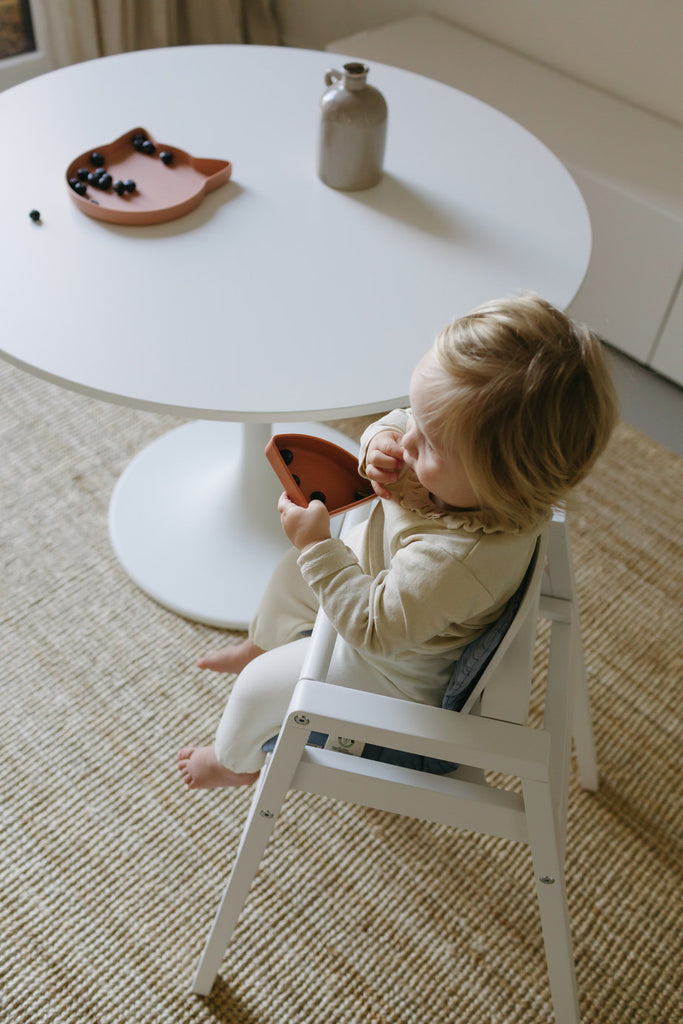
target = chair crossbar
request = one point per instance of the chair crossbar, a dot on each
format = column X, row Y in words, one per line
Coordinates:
column 439, row 798
column 417, row 728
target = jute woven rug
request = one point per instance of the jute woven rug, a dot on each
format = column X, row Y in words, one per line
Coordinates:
column 110, row 870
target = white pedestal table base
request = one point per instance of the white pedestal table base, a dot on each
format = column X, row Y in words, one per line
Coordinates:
column 193, row 518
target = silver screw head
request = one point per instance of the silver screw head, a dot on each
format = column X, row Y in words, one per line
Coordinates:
column 547, row 879
column 301, row 719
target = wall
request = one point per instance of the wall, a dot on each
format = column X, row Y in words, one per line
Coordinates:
column 631, row 48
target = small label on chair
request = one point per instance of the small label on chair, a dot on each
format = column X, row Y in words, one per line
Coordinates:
column 344, row 746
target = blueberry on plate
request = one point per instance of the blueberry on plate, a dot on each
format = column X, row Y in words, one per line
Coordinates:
column 148, row 147
column 78, row 186
column 105, row 182
column 97, row 159
column 296, row 479
column 318, row 496
column 166, row 157
column 119, row 188
column 129, row 185
column 287, row 456
column 82, row 173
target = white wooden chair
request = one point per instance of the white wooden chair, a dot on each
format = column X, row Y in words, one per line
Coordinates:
column 490, row 733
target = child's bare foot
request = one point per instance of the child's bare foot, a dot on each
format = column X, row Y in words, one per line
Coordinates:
column 230, row 659
column 200, row 770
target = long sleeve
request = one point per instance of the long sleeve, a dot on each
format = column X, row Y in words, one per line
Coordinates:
column 440, row 588
column 397, row 421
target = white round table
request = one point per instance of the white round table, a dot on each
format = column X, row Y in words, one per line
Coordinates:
column 277, row 299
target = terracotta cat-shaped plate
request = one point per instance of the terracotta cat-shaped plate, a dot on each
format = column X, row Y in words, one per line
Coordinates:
column 168, row 181
column 310, row 467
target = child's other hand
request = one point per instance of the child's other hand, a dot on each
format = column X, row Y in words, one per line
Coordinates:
column 303, row 526
column 384, row 461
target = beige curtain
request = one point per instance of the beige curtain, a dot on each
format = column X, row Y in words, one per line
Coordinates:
column 82, row 29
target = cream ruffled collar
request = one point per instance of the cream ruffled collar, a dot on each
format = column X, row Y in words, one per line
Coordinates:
column 412, row 496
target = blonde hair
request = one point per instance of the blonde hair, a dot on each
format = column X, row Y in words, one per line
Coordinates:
column 524, row 396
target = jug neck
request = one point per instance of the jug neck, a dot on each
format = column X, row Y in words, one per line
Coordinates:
column 355, row 75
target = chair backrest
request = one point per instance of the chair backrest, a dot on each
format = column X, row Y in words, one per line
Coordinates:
column 504, row 687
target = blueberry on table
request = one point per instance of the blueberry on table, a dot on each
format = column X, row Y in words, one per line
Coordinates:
column 166, row 157
column 97, row 159
column 287, row 456
column 35, row 216
column 318, row 496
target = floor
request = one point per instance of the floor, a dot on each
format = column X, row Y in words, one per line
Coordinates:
column 649, row 402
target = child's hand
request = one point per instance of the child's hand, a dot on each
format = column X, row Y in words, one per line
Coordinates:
column 384, row 461
column 303, row 526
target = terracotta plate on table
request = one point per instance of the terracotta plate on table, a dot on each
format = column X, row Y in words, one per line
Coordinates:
column 308, row 467
column 163, row 190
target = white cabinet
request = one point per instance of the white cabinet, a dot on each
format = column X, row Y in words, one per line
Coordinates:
column 634, row 268
column 668, row 355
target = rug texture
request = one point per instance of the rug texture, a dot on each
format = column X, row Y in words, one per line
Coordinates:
column 110, row 869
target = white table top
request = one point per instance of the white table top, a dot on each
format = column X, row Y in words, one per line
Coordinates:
column 265, row 302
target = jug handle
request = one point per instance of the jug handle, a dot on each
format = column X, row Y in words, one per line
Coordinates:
column 333, row 76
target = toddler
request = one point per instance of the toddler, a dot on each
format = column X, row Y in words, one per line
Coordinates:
column 509, row 409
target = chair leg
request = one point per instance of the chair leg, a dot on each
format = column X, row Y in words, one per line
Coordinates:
column 271, row 790
column 582, row 726
column 552, row 899
column 255, row 835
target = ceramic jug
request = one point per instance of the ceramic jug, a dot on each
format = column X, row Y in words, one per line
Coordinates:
column 353, row 130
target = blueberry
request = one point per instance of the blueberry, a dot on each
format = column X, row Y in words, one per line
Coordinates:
column 119, row 187
column 82, row 173
column 318, row 496
column 287, row 456
column 35, row 216
column 166, row 157
column 96, row 159
column 105, row 182
column 148, row 147
column 129, row 185
column 78, row 186
column 296, row 479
